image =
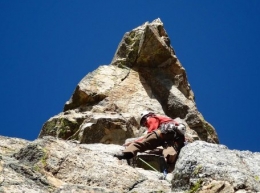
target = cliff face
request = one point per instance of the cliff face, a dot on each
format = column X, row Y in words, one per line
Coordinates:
column 74, row 150
column 145, row 74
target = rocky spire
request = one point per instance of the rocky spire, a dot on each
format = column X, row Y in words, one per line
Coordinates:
column 145, row 74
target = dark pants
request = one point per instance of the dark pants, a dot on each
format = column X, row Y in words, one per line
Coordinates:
column 150, row 142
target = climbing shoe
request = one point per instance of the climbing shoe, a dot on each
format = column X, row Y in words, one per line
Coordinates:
column 124, row 155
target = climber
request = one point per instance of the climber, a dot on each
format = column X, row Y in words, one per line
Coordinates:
column 162, row 131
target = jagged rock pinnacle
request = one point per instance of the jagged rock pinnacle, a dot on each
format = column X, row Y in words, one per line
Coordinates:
column 145, row 74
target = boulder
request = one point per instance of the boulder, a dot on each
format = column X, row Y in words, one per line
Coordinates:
column 85, row 127
column 209, row 167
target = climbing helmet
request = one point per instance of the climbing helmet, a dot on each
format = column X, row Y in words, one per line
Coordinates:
column 144, row 116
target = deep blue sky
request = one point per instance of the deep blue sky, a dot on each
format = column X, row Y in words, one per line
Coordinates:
column 47, row 47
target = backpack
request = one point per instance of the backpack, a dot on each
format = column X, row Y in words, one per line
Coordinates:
column 173, row 127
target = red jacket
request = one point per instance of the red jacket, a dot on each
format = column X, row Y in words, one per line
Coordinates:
column 153, row 122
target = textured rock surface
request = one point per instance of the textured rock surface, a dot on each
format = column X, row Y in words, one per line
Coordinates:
column 145, row 74
column 91, row 127
column 215, row 168
column 53, row 165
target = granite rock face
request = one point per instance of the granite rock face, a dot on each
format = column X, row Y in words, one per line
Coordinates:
column 53, row 165
column 215, row 168
column 50, row 165
column 144, row 74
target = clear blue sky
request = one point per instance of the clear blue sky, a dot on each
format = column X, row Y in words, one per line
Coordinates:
column 47, row 47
